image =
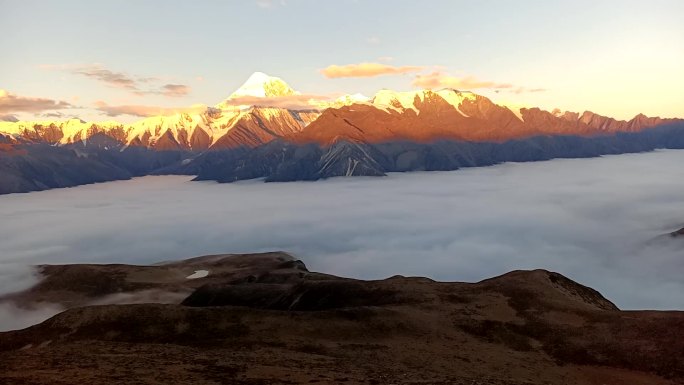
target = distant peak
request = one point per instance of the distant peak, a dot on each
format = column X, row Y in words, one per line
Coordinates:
column 260, row 78
column 262, row 85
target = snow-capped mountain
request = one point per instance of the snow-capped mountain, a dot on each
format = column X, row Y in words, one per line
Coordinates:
column 261, row 85
column 253, row 115
column 226, row 125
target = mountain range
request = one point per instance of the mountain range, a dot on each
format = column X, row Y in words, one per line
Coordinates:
column 258, row 133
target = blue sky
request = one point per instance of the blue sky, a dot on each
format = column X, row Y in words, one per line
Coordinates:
column 616, row 58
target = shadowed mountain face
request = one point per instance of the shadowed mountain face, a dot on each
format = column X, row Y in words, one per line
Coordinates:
column 33, row 167
column 284, row 161
column 265, row 318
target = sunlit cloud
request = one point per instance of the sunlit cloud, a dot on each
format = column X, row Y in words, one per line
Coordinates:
column 439, row 79
column 145, row 111
column 11, row 103
column 366, row 70
column 291, row 102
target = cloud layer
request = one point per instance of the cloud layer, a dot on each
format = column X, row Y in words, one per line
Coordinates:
column 590, row 219
column 366, row 70
column 144, row 110
column 292, row 102
column 11, row 104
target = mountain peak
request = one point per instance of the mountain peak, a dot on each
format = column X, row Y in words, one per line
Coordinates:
column 262, row 85
column 402, row 100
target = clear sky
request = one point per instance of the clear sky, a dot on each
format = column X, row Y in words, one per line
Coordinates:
column 81, row 57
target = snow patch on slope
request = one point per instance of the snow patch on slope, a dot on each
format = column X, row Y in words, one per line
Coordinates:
column 198, row 274
column 455, row 98
column 398, row 101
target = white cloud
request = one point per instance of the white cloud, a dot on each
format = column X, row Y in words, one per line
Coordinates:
column 13, row 318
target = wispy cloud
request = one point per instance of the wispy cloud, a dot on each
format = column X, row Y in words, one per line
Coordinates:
column 8, row 118
column 54, row 114
column 11, row 103
column 145, row 111
column 138, row 85
column 175, row 90
column 439, row 79
column 366, row 70
column 521, row 90
column 114, row 79
column 292, row 102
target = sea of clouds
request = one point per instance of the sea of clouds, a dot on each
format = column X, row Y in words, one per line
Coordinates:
column 593, row 220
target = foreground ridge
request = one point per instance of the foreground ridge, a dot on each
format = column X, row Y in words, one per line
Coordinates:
column 266, row 318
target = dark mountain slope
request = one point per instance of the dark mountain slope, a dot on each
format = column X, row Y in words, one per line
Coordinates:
column 283, row 161
column 33, row 167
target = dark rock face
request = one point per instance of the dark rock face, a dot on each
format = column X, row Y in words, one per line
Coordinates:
column 307, row 295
